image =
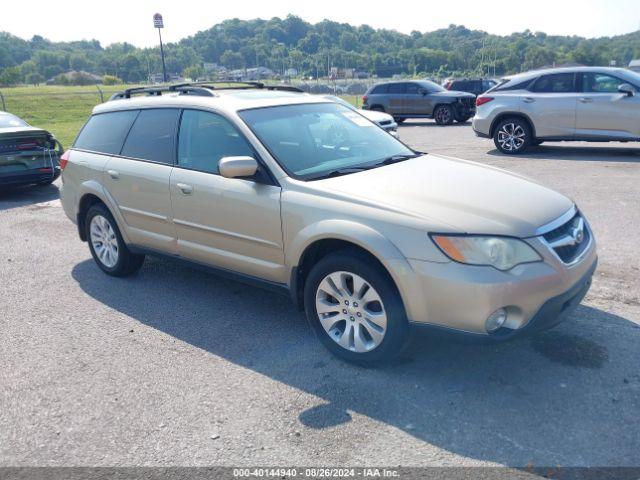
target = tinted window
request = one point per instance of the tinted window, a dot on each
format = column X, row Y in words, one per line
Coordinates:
column 397, row 88
column 379, row 89
column 152, row 136
column 600, row 83
column 556, row 83
column 511, row 85
column 205, row 138
column 105, row 132
column 413, row 88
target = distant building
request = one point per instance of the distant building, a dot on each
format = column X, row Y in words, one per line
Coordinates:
column 171, row 78
column 250, row 74
column 634, row 65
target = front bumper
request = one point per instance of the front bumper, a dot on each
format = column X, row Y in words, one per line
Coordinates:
column 537, row 295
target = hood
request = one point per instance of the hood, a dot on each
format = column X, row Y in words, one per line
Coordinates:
column 452, row 195
column 454, row 94
column 375, row 116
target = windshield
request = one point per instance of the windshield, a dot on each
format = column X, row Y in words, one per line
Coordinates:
column 313, row 140
column 340, row 101
column 432, row 86
column 7, row 121
column 634, row 77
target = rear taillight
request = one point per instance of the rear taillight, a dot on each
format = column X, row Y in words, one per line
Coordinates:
column 447, row 85
column 364, row 99
column 483, row 100
column 27, row 146
column 64, row 159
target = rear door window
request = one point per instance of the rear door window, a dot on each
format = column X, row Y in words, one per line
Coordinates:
column 397, row 88
column 556, row 83
column 413, row 89
column 105, row 132
column 152, row 136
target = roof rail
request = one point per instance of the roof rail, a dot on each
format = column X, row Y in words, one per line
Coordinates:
column 204, row 89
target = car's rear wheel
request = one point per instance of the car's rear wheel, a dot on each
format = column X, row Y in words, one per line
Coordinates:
column 444, row 115
column 106, row 244
column 462, row 118
column 355, row 309
column 399, row 121
column 512, row 135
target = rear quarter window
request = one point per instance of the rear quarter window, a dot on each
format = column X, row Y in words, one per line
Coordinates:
column 105, row 132
column 379, row 89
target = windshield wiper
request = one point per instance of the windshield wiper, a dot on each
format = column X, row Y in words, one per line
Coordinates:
column 360, row 168
column 395, row 159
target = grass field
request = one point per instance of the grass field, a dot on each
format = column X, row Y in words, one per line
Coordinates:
column 63, row 110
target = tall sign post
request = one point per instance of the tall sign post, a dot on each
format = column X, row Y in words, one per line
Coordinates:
column 158, row 23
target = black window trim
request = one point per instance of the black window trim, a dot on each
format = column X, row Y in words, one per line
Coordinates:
column 73, row 147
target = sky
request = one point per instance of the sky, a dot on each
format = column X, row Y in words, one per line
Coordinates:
column 131, row 20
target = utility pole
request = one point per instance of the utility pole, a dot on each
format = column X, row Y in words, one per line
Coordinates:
column 159, row 24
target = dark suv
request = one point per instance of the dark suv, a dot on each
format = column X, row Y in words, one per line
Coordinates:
column 477, row 86
column 420, row 99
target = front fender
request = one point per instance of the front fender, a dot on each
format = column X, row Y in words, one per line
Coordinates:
column 370, row 240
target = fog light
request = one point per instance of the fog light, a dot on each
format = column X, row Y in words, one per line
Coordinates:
column 495, row 320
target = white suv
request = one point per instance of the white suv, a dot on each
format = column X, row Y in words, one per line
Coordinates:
column 588, row 104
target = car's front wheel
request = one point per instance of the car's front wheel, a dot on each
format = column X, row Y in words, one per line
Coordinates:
column 106, row 244
column 512, row 135
column 355, row 308
column 444, row 115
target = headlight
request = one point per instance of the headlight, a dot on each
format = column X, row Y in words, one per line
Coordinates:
column 502, row 253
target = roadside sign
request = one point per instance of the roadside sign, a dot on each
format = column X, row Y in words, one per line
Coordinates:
column 157, row 21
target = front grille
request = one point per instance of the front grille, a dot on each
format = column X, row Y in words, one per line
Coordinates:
column 567, row 241
column 468, row 102
column 385, row 122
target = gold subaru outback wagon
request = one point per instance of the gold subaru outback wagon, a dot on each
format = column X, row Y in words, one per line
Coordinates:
column 369, row 237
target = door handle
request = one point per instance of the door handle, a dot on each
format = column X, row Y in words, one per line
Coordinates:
column 113, row 174
column 528, row 100
column 586, row 100
column 184, row 188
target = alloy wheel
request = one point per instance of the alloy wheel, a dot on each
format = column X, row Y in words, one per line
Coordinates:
column 351, row 311
column 104, row 241
column 511, row 137
column 443, row 115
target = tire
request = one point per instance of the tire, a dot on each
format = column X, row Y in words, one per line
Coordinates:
column 462, row 119
column 354, row 336
column 444, row 115
column 537, row 142
column 512, row 136
column 114, row 258
column 399, row 121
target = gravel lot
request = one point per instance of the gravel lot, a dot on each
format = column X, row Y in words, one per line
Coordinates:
column 177, row 367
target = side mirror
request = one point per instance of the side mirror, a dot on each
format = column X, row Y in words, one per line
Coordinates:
column 235, row 167
column 627, row 89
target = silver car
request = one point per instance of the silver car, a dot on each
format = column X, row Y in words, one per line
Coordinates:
column 306, row 197
column 587, row 104
column 383, row 120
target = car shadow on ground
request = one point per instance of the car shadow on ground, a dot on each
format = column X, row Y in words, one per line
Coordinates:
column 563, row 397
column 431, row 123
column 27, row 195
column 579, row 153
